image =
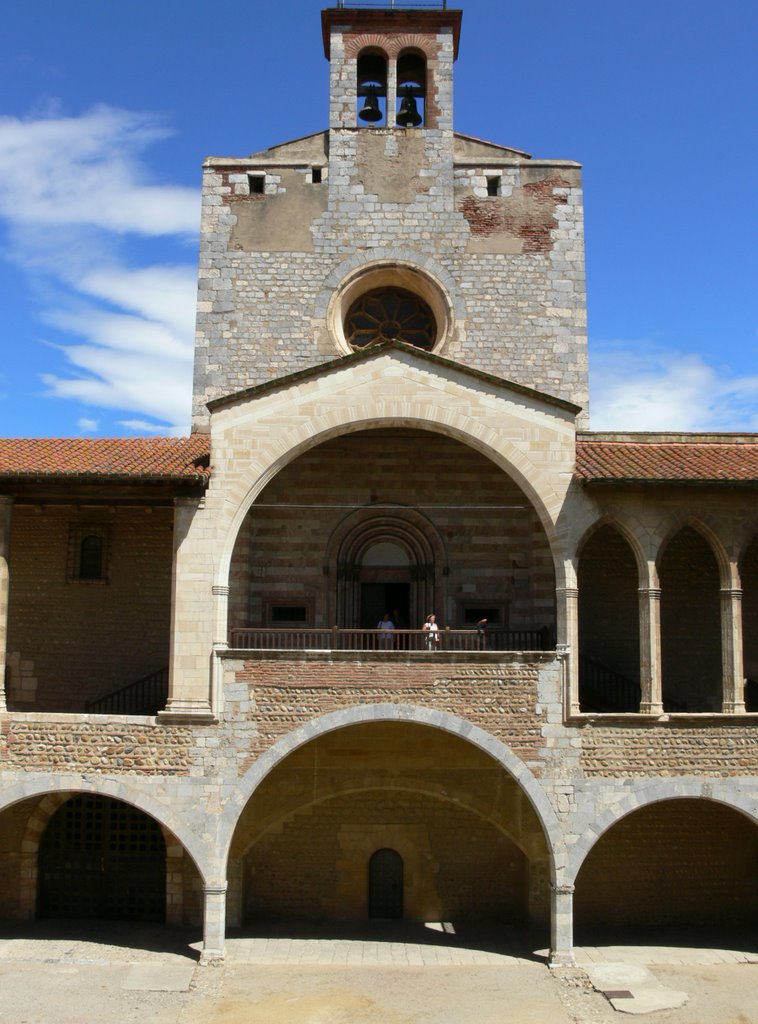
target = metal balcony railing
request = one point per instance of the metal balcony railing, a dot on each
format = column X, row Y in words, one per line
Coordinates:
column 337, row 639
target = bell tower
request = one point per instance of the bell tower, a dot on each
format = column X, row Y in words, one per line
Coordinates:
column 391, row 67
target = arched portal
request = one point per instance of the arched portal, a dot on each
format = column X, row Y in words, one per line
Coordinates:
column 101, row 858
column 470, row 843
column 392, row 519
column 683, row 862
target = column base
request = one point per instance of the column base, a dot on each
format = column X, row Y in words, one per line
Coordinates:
column 733, row 707
column 649, row 707
column 189, row 712
column 562, row 958
column 212, row 958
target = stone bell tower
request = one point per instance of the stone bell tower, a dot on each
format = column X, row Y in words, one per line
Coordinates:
column 390, row 216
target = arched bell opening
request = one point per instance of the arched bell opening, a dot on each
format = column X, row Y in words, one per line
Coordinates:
column 371, row 91
column 411, row 89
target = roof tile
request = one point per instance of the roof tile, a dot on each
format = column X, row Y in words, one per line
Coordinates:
column 141, row 458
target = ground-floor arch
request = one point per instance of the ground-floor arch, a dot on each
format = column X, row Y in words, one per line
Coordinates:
column 471, row 846
column 683, row 861
column 82, row 855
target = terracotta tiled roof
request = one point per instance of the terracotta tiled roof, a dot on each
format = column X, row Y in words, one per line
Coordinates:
column 713, row 458
column 137, row 458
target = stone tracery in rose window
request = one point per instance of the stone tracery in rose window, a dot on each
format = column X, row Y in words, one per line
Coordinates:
column 390, row 314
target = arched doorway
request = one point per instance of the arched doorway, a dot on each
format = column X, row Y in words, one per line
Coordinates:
column 102, row 858
column 385, row 885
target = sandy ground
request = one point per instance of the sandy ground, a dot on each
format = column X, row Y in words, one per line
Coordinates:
column 49, row 977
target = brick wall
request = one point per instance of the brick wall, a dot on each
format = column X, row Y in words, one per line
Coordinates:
column 633, row 751
column 72, row 640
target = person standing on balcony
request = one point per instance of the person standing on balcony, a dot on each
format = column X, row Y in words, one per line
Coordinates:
column 387, row 631
column 432, row 631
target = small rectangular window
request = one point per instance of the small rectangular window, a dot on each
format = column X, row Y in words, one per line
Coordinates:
column 473, row 615
column 493, row 185
column 288, row 614
column 257, row 184
column 88, row 553
column 316, row 175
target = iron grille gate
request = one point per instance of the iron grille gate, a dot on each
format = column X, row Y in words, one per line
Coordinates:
column 99, row 858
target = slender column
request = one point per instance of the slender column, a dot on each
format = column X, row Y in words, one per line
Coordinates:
column 214, row 923
column 562, row 926
column 391, row 93
column 733, row 682
column 567, row 599
column 651, row 683
column 6, row 507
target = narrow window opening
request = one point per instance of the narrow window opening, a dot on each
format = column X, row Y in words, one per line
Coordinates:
column 91, row 558
column 411, row 90
column 493, row 185
column 372, row 89
column 316, row 177
column 288, row 614
column 256, row 184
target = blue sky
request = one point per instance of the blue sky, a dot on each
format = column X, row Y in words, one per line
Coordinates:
column 108, row 109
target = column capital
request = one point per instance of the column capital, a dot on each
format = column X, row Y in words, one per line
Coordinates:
column 219, row 590
column 562, row 888
column 733, row 593
column 653, row 593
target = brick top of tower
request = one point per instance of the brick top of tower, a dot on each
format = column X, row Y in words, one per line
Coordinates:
column 389, row 19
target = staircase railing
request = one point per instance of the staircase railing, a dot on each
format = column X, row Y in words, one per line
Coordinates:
column 145, row 696
column 602, row 689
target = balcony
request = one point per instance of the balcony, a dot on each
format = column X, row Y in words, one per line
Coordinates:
column 492, row 640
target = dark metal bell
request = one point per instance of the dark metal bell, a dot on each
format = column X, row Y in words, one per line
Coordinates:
column 370, row 111
column 408, row 115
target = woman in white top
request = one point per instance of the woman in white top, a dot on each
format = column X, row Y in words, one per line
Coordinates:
column 432, row 631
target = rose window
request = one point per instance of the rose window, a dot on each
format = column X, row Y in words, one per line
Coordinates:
column 390, row 314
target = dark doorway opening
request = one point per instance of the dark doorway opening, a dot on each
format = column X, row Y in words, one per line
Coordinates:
column 102, row 859
column 378, row 598
column 385, row 886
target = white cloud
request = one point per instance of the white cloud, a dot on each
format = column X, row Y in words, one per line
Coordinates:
column 87, row 425
column 635, row 386
column 71, row 225
column 88, row 170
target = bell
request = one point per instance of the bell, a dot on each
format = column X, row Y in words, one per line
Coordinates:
column 370, row 111
column 408, row 115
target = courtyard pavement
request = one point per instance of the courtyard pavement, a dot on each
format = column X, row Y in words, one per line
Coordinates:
column 106, row 973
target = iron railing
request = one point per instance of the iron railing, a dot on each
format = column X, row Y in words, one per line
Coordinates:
column 145, row 696
column 338, row 639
